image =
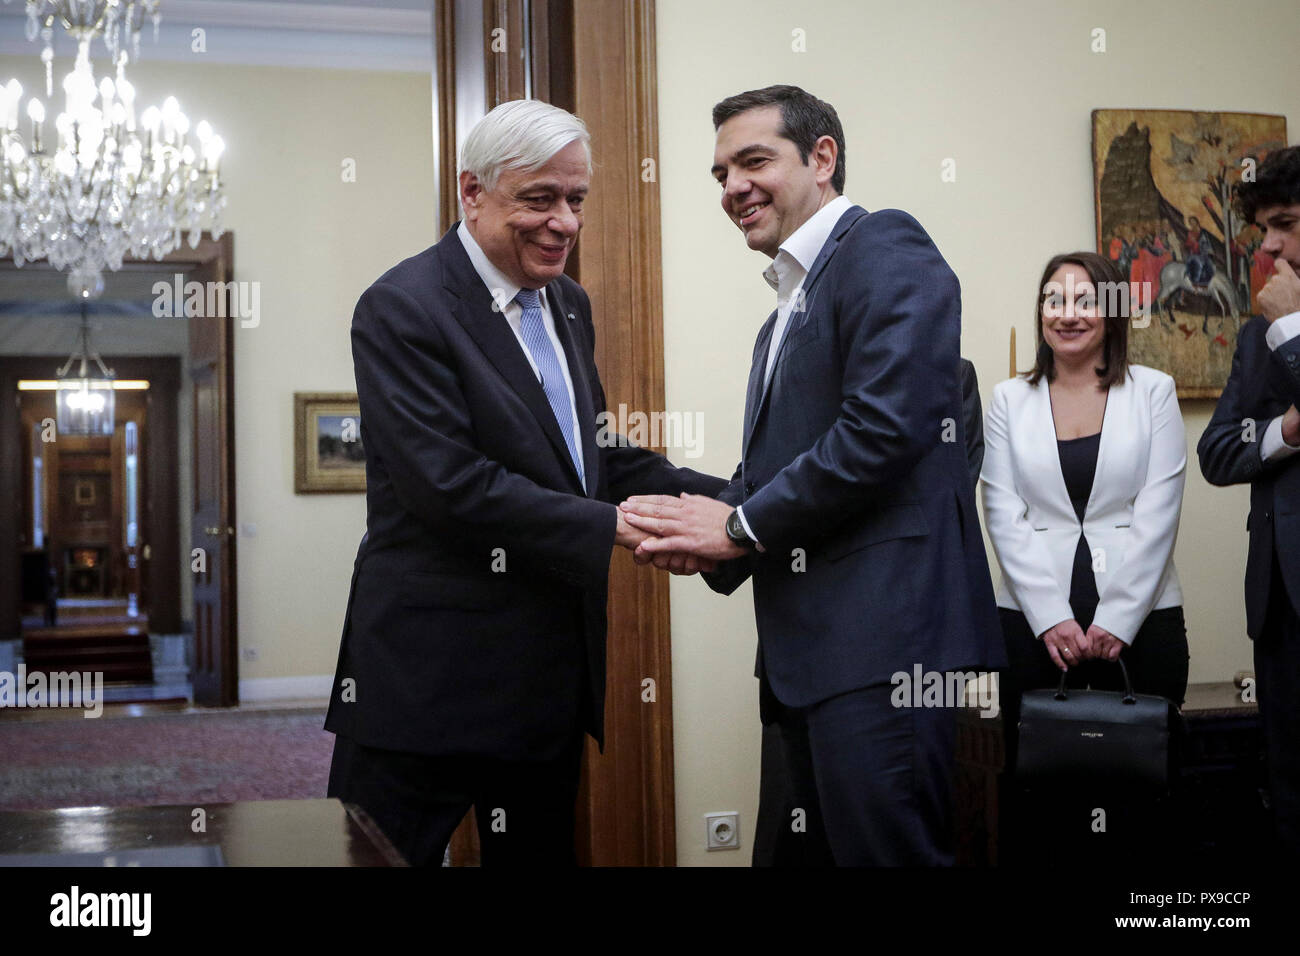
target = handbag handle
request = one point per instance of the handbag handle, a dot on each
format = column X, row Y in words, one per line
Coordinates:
column 1129, row 696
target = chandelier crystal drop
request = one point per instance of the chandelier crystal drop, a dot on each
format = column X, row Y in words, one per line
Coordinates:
column 102, row 184
column 118, row 21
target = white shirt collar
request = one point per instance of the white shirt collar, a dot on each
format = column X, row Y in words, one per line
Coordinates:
column 802, row 247
column 501, row 288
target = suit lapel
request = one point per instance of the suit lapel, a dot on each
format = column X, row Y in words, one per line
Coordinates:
column 757, row 365
column 799, row 317
column 489, row 329
column 1264, row 394
column 845, row 223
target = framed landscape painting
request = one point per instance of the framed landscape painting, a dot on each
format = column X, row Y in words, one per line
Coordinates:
column 328, row 455
column 1163, row 184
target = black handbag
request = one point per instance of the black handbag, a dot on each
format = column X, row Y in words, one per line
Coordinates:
column 1119, row 736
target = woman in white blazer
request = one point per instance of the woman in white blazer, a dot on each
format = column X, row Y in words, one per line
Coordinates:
column 1082, row 485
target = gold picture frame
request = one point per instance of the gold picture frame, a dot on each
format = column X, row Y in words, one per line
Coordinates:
column 1162, row 191
column 83, row 493
column 328, row 457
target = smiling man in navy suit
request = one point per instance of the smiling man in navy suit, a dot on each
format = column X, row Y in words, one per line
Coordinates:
column 852, row 507
column 473, row 651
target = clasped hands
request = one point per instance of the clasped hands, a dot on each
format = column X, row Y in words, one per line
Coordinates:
column 683, row 535
column 1068, row 645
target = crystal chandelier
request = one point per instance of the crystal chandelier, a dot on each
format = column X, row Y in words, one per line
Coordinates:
column 104, row 186
column 85, row 405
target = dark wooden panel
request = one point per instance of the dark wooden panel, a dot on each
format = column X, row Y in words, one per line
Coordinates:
column 444, row 38
column 504, row 68
column 627, row 809
column 161, row 572
column 212, row 527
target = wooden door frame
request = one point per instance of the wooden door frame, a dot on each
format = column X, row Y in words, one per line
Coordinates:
column 612, row 51
column 596, row 58
column 164, row 376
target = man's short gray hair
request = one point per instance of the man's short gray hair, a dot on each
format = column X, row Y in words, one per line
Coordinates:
column 520, row 134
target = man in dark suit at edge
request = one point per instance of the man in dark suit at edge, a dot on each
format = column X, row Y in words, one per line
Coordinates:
column 852, row 506
column 473, row 652
column 1253, row 437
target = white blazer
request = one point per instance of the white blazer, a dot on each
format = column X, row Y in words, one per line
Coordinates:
column 1131, row 521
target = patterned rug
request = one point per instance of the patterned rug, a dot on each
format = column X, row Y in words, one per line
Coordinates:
column 164, row 759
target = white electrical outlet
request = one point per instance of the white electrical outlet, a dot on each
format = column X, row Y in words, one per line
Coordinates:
column 722, row 830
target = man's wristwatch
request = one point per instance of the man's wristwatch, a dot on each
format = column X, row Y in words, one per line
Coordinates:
column 736, row 531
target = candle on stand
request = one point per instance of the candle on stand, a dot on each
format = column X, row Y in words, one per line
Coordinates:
column 36, row 112
column 126, row 93
column 15, row 91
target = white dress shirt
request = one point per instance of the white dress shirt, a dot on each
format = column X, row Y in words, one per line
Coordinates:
column 1273, row 446
column 786, row 275
column 503, row 293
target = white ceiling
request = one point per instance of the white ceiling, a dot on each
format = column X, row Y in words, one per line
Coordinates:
column 343, row 34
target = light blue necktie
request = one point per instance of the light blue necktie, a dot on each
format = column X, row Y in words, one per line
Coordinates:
column 548, row 365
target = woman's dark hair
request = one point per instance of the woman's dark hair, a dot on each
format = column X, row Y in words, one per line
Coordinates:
column 1113, row 305
column 804, row 120
column 1277, row 183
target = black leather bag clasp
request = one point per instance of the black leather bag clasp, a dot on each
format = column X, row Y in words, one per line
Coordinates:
column 1073, row 734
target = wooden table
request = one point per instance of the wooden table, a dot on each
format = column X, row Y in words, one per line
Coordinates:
column 250, row 833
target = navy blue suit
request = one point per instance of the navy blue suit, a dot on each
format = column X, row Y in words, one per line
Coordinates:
column 1261, row 385
column 475, row 625
column 854, row 478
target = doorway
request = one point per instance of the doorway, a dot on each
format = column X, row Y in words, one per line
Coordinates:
column 127, row 534
column 99, row 552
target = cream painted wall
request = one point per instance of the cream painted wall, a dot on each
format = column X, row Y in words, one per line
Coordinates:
column 313, row 242
column 1005, row 89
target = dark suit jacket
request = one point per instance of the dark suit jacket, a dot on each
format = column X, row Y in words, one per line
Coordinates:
column 973, row 419
column 466, row 473
column 844, row 464
column 1261, row 385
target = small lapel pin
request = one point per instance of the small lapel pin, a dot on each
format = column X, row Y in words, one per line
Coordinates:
column 571, row 318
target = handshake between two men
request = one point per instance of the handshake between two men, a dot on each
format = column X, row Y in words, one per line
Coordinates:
column 685, row 535
column 479, row 423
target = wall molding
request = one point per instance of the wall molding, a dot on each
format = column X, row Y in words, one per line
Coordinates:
column 361, row 18
column 261, row 34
